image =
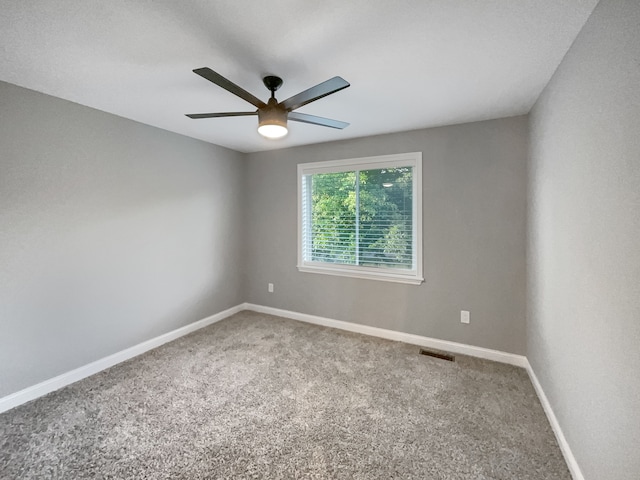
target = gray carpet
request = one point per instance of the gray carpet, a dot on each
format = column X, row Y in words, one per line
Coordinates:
column 257, row 396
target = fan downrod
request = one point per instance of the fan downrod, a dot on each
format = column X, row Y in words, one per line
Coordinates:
column 273, row 83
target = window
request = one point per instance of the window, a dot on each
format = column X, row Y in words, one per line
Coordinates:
column 362, row 217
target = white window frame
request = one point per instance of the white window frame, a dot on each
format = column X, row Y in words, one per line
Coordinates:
column 414, row 160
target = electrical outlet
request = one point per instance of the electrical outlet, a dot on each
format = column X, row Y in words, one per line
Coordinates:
column 271, row 288
column 464, row 316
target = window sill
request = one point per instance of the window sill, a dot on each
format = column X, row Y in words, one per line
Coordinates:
column 362, row 274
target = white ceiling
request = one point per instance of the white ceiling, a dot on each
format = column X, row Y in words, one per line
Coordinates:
column 411, row 64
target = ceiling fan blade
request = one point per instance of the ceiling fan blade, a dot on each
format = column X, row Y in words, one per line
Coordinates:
column 323, row 89
column 228, row 85
column 221, row 114
column 312, row 119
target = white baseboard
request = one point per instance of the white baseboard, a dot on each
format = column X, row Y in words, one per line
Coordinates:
column 453, row 347
column 40, row 389
column 576, row 473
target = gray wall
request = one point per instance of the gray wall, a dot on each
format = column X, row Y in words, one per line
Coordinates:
column 584, row 243
column 474, row 206
column 111, row 233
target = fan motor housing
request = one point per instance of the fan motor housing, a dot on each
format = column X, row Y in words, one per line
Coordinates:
column 272, row 114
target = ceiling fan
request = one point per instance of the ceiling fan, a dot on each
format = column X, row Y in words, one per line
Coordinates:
column 273, row 115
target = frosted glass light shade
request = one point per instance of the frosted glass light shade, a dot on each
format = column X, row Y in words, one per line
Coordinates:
column 272, row 131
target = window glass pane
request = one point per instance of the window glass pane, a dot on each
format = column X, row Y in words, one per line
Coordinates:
column 385, row 231
column 333, row 217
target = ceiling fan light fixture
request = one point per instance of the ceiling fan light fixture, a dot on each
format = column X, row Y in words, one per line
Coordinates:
column 272, row 130
column 272, row 122
column 273, row 115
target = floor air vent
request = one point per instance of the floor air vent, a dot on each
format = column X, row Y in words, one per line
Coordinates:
column 440, row 355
